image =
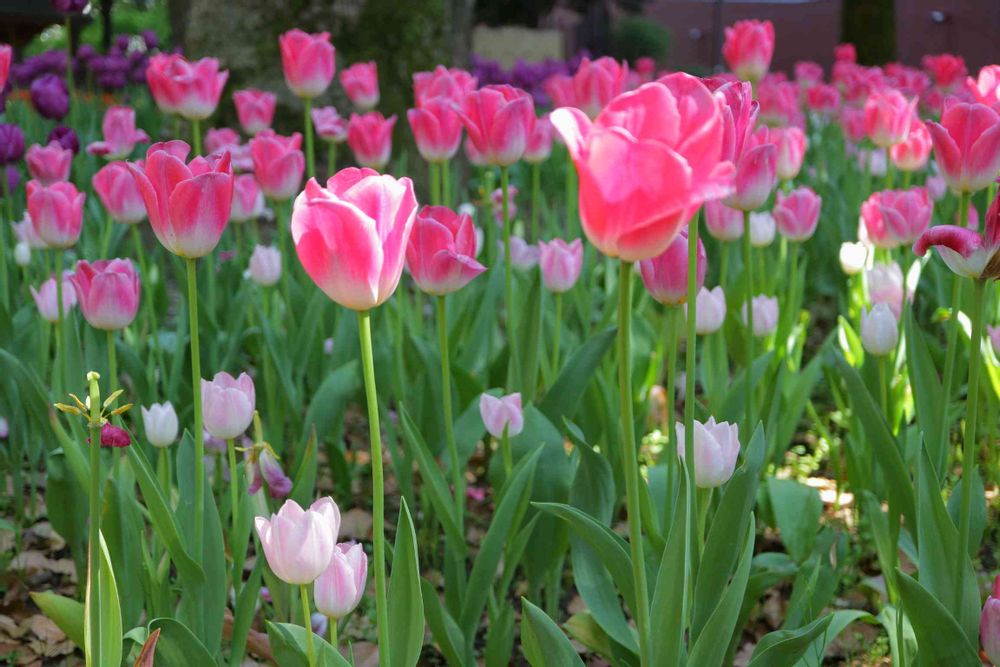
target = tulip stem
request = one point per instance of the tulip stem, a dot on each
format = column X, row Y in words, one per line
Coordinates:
column 333, row 632
column 435, row 176
column 883, row 388
column 94, row 539
column 378, row 485
column 748, row 268
column 310, row 154
column 112, row 361
column 199, row 434
column 196, row 136
column 536, row 199
column 106, row 233
column 163, row 471
column 971, row 418
column 331, row 158
column 951, row 348
column 670, row 326
column 690, row 362
column 449, row 424
column 60, row 371
column 555, row 336
column 147, row 303
column 234, row 509
column 446, row 182
column 506, row 454
column 9, row 203
column 630, row 461
column 571, row 195
column 307, row 623
column 508, row 282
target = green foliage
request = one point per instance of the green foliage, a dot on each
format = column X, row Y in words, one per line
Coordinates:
column 634, row 37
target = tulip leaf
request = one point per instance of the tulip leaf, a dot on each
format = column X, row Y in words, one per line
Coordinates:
column 928, row 399
column 109, row 640
column 288, row 644
column 797, row 509
column 177, row 646
column 66, row 612
column 839, row 621
column 563, row 397
column 529, row 323
column 444, row 629
column 940, row 639
column 787, row 647
column 406, row 606
column 543, row 643
column 330, row 399
column 667, row 643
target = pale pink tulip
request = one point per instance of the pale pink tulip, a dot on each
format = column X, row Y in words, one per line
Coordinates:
column 879, row 330
column 342, row 585
column 248, row 199
column 265, row 265
column 561, row 263
column 765, row 315
column 297, row 543
column 329, row 125
column 120, row 134
column 46, row 298
column 116, row 188
column 502, row 413
column 724, row 223
column 227, row 404
column 716, row 448
column 108, row 292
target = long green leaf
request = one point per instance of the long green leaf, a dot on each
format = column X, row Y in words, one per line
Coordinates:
column 543, row 643
column 929, row 404
column 109, row 640
column 288, row 644
column 444, row 629
column 177, row 645
column 786, row 647
column 406, row 606
column 940, row 639
column 66, row 612
column 563, row 397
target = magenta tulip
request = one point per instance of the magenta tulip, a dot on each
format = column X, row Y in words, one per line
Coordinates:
column 796, row 214
column 370, row 138
column 190, row 89
column 308, row 62
column 437, row 129
column 749, row 48
column 49, row 164
column 539, row 146
column 665, row 276
column 791, row 143
column 597, row 82
column 449, row 84
column 498, row 120
column 108, row 292
column 888, row 115
column 756, row 172
column 441, row 254
column 896, row 217
column 912, row 153
column 278, row 164
column 966, row 252
column 967, row 146
column 255, row 109
column 360, row 82
column 56, row 213
column 116, row 188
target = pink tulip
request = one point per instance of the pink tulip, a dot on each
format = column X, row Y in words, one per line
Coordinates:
column 360, row 82
column 370, row 138
column 342, row 585
column 329, row 125
column 845, row 53
column 437, row 129
column 441, row 254
column 6, row 55
column 108, row 292
column 523, row 255
column 56, row 213
column 896, row 217
column 912, row 153
column 279, row 485
column 450, row 84
column 24, row 232
column 779, row 103
column 888, row 115
column 936, row 187
column 716, row 448
column 967, row 252
column 852, row 122
column 765, row 315
column 219, row 140
column 947, row 70
column 808, row 73
column 823, row 99
column 561, row 263
column 640, row 132
column 255, row 109
column 308, row 62
column 248, row 199
column 597, row 82
column 665, row 276
column 559, row 88
column 756, row 172
column 120, row 135
column 499, row 120
column 496, row 199
column 796, row 214
column 986, row 87
column 351, row 236
column 188, row 204
column 994, row 334
column 723, row 223
column 989, row 624
column 46, row 298
column 190, row 89
column 119, row 194
column 502, row 413
column 49, row 164
column 297, row 543
column 265, row 265
column 791, row 143
column 278, row 164
column 228, row 404
column 539, row 146
column 748, row 49
column 967, row 146
column 885, row 285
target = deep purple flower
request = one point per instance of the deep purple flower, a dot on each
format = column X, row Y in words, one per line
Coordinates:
column 66, row 137
column 13, row 178
column 86, row 52
column 11, row 143
column 122, row 43
column 114, row 436
column 69, row 6
column 150, row 39
column 50, row 97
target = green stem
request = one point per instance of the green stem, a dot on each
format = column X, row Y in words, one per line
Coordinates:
column 378, row 485
column 199, row 434
column 196, row 136
column 723, row 263
column 61, row 374
column 234, row 509
column 307, row 623
column 951, row 348
column 670, row 333
column 446, row 182
column 106, row 233
column 310, row 151
column 457, row 478
column 163, row 471
column 883, row 388
column 94, row 538
column 888, row 171
column 691, row 346
column 969, row 454
column 748, row 268
column 506, row 455
column 907, row 175
column 8, row 202
column 434, row 170
column 556, row 335
column 331, row 158
column 536, row 199
column 508, row 283
column 112, row 361
column 630, row 462
column 571, row 196
column 333, row 632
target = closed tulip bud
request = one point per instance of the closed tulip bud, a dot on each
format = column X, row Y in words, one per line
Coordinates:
column 46, row 298
column 319, row 623
column 116, row 188
column 503, row 412
column 360, row 82
column 120, row 134
column 351, row 236
column 49, row 164
column 255, row 109
column 765, row 315
column 308, row 62
column 853, row 257
column 597, row 82
column 114, row 436
column 936, row 187
column 450, row 84
column 108, row 292
column 632, row 218
column 885, row 285
column 498, row 120
column 756, row 172
column 278, row 164
column 796, row 214
column 823, row 99
column 342, row 585
column 188, row 204
column 879, row 330
column 967, row 145
column 539, row 146
column 994, row 334
column 437, row 129
column 159, row 421
column 791, row 143
column 523, row 255
column 227, row 404
column 561, row 263
column 190, row 89
column 370, row 138
column 912, row 153
column 279, row 485
column 896, row 217
column 441, row 254
column 711, row 310
column 888, row 115
column 297, row 543
column 762, row 229
column 989, row 624
column 716, row 447
column 665, row 276
column 22, row 254
column 265, row 265
column 248, row 199
column 749, row 48
column 723, row 222
column 56, row 212
column 4, row 428
column 329, row 125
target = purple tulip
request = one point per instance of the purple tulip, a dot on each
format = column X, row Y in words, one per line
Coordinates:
column 66, row 137
column 11, row 143
column 13, row 178
column 69, row 6
column 50, row 96
column 150, row 39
